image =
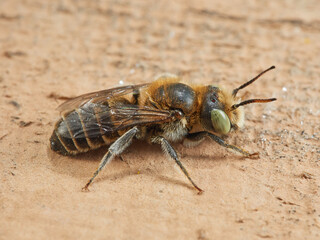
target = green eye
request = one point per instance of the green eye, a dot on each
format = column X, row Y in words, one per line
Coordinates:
column 220, row 121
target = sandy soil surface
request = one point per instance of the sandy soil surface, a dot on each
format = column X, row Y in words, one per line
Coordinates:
column 50, row 50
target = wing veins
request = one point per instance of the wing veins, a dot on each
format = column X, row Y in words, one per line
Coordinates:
column 98, row 97
column 121, row 118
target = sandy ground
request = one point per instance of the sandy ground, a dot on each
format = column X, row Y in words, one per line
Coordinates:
column 50, row 50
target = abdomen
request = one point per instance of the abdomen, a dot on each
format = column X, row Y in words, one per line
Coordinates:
column 80, row 131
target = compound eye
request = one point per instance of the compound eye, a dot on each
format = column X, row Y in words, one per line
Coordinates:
column 220, row 121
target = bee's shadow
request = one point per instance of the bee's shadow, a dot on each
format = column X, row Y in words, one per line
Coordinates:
column 138, row 158
column 148, row 173
column 85, row 164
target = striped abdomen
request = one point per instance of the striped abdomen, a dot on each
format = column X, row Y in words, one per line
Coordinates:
column 80, row 130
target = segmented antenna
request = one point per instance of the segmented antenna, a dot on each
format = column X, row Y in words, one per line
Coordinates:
column 235, row 106
column 235, row 91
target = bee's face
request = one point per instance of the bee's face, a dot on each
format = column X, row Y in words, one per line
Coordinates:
column 213, row 113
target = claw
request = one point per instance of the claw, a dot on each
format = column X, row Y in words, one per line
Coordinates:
column 200, row 192
column 254, row 155
column 86, row 188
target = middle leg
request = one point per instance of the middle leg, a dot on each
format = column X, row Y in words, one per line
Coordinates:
column 169, row 150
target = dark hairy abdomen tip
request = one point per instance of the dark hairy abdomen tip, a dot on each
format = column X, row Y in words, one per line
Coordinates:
column 56, row 145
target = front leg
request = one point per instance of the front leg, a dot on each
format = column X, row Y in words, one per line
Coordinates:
column 199, row 136
column 169, row 150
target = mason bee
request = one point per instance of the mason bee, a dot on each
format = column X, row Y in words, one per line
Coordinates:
column 161, row 112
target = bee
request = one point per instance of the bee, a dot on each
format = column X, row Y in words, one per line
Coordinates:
column 160, row 112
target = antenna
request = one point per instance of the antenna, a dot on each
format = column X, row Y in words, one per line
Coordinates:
column 235, row 106
column 235, row 91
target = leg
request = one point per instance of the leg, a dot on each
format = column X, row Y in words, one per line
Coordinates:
column 198, row 136
column 169, row 150
column 114, row 150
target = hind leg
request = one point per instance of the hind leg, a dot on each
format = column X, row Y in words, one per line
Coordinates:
column 114, row 150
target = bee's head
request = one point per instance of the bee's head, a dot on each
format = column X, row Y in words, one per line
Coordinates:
column 220, row 109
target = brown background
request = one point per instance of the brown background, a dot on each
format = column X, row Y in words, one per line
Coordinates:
column 55, row 49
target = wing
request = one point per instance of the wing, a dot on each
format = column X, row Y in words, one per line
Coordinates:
column 98, row 97
column 100, row 119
